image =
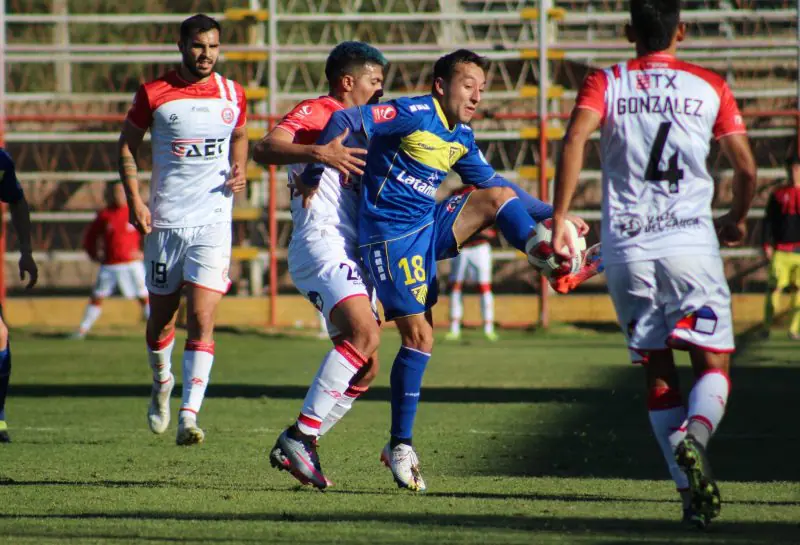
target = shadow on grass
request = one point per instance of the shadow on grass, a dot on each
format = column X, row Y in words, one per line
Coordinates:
column 624, row 528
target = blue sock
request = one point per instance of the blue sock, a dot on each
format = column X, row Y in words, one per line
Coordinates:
column 406, row 381
column 5, row 374
column 515, row 223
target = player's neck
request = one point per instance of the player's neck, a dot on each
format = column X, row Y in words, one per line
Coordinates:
column 188, row 77
column 641, row 51
column 342, row 99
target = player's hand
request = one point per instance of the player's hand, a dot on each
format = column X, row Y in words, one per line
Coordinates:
column 730, row 231
column 302, row 190
column 139, row 216
column 237, row 181
column 580, row 225
column 346, row 160
column 28, row 266
column 563, row 245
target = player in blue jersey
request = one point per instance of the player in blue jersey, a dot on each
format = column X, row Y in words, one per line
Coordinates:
column 11, row 193
column 412, row 145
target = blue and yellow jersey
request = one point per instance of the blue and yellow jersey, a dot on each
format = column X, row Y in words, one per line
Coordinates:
column 10, row 190
column 411, row 149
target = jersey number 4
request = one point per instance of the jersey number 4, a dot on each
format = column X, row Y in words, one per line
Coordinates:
column 673, row 174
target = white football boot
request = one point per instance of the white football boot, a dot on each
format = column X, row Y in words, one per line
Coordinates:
column 158, row 411
column 188, row 431
column 403, row 462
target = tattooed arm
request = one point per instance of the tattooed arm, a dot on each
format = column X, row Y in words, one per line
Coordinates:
column 129, row 141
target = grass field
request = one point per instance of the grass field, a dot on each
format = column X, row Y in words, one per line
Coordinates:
column 538, row 439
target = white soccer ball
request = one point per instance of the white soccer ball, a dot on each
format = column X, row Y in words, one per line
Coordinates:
column 540, row 251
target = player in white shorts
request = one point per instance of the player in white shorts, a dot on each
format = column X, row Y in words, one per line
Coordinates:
column 665, row 275
column 120, row 258
column 474, row 263
column 323, row 257
column 197, row 122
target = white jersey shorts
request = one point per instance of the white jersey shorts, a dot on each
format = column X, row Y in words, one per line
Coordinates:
column 327, row 275
column 128, row 277
column 673, row 302
column 188, row 255
column 474, row 263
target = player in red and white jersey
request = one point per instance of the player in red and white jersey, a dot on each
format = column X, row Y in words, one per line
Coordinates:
column 120, row 257
column 323, row 258
column 197, row 121
column 665, row 275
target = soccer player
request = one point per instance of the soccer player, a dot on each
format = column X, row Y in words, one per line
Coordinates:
column 11, row 193
column 665, row 275
column 781, row 243
column 199, row 139
column 323, row 256
column 475, row 259
column 120, row 257
column 412, row 144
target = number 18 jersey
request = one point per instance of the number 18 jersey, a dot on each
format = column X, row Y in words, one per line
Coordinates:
column 658, row 117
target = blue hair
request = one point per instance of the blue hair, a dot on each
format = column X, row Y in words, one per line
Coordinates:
column 348, row 57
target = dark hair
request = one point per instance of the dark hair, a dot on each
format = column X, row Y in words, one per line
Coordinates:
column 347, row 57
column 198, row 23
column 655, row 22
column 446, row 66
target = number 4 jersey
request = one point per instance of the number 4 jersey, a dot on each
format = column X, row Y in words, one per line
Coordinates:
column 658, row 117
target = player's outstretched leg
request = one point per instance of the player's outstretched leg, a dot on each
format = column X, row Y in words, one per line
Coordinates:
column 416, row 334
column 90, row 316
column 345, row 374
column 160, row 337
column 5, row 376
column 707, row 402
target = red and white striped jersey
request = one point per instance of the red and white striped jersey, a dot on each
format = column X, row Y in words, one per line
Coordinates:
column 334, row 208
column 190, row 126
column 658, row 117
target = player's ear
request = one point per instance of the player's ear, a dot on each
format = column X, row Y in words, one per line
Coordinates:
column 438, row 86
column 347, row 82
column 680, row 32
column 630, row 33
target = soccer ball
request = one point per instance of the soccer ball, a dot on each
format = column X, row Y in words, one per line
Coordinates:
column 540, row 252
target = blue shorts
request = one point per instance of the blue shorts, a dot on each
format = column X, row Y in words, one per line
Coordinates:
column 403, row 270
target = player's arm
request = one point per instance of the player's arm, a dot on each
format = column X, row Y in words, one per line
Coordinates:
column 90, row 238
column 768, row 229
column 11, row 193
column 237, row 179
column 136, row 124
column 278, row 148
column 731, row 228
column 342, row 124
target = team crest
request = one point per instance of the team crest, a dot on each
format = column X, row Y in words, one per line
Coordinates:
column 454, row 151
column 420, row 293
column 227, row 116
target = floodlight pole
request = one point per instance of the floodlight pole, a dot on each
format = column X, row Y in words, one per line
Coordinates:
column 544, row 193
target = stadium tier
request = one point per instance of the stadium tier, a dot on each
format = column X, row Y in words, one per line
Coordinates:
column 71, row 76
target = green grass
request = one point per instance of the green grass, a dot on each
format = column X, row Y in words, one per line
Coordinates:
column 537, row 439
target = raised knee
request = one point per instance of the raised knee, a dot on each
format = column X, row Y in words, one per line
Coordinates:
column 419, row 339
column 500, row 196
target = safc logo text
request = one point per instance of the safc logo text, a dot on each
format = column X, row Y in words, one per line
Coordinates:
column 207, row 148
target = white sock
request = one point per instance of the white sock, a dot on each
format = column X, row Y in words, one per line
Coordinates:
column 197, row 360
column 487, row 311
column 329, row 386
column 707, row 402
column 669, row 427
column 341, row 408
column 159, row 355
column 456, row 311
column 90, row 316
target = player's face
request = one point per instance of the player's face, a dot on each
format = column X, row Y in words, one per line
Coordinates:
column 367, row 85
column 200, row 53
column 462, row 93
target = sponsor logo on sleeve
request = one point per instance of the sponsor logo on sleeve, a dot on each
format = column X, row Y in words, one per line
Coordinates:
column 383, row 113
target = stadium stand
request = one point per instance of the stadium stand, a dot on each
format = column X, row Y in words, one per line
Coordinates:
column 71, row 76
